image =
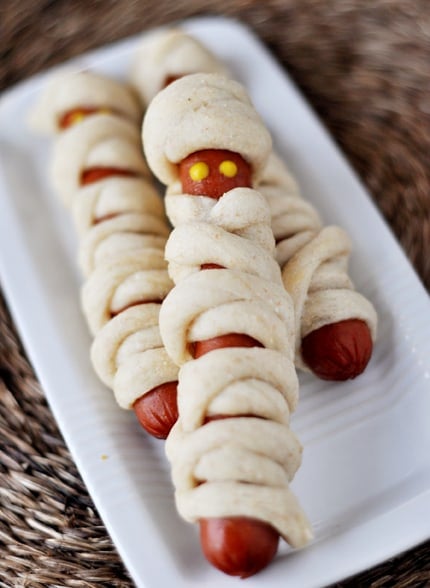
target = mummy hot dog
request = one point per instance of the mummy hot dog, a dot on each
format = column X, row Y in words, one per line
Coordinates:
column 99, row 171
column 336, row 326
column 228, row 323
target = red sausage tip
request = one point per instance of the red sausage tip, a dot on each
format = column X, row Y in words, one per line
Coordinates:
column 157, row 411
column 95, row 174
column 238, row 546
column 340, row 351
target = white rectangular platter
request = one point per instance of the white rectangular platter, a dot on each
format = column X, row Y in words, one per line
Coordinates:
column 365, row 479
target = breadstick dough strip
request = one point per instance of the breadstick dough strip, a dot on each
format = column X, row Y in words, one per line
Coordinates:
column 114, row 196
column 110, row 288
column 69, row 90
column 101, row 140
column 240, row 211
column 276, row 506
column 142, row 227
column 221, row 287
column 172, row 128
column 169, row 53
column 203, row 379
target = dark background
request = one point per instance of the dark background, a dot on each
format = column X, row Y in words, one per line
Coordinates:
column 365, row 68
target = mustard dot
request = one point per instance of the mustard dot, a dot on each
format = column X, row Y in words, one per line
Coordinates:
column 77, row 117
column 199, row 171
column 228, row 168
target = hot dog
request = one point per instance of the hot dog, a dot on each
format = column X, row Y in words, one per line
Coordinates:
column 237, row 546
column 335, row 324
column 156, row 410
column 240, row 540
column 338, row 351
column 99, row 169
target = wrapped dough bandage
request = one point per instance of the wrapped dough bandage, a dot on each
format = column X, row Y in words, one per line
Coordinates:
column 233, row 232
column 232, row 452
column 168, row 54
column 314, row 261
column 68, row 97
column 111, row 197
column 99, row 142
column 209, row 102
column 99, row 169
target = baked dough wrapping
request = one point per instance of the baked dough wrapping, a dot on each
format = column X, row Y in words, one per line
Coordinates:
column 202, row 111
column 246, row 462
column 121, row 226
column 219, row 227
column 169, row 53
column 69, row 90
column 111, row 197
column 313, row 258
column 100, row 140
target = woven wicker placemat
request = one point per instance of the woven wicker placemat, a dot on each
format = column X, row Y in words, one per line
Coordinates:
column 364, row 66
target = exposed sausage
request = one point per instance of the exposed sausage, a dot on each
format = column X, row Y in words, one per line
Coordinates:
column 171, row 79
column 76, row 115
column 157, row 411
column 199, row 348
column 339, row 351
column 238, row 546
column 211, row 266
column 135, row 303
column 95, row 174
column 105, row 217
column 212, row 172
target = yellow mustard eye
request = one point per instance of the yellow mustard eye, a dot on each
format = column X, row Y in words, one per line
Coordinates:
column 199, row 171
column 76, row 117
column 228, row 168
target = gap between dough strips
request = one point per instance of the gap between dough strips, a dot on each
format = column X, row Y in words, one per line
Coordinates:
column 99, row 172
column 335, row 325
column 228, row 323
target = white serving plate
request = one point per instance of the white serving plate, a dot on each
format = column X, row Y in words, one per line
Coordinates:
column 365, row 479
